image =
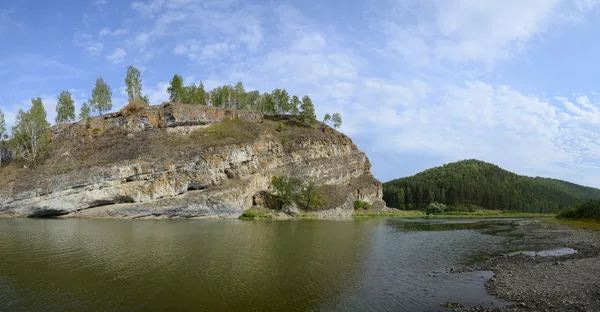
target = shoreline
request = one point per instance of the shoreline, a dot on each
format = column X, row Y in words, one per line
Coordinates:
column 408, row 214
column 536, row 283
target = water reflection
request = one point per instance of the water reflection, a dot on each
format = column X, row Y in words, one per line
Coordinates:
column 118, row 265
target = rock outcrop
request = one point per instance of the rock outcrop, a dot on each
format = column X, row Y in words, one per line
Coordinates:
column 178, row 161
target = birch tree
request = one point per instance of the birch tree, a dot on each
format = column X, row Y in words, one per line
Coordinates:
column 30, row 133
column 65, row 108
column 101, row 97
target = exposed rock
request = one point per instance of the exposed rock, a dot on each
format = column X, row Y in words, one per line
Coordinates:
column 291, row 209
column 168, row 162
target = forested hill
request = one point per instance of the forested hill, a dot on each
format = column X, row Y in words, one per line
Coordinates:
column 474, row 182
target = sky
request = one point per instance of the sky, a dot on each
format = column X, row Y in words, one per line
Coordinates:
column 418, row 83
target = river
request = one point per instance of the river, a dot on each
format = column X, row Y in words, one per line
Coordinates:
column 371, row 264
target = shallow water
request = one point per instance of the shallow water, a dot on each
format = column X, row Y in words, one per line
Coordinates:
column 352, row 265
column 557, row 252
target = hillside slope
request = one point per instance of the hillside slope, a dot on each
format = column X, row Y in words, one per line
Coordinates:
column 483, row 184
column 184, row 161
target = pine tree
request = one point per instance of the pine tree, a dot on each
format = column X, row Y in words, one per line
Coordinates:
column 307, row 110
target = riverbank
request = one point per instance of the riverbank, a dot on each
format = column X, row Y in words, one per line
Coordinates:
column 537, row 283
column 450, row 215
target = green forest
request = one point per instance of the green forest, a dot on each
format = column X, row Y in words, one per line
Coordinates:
column 474, row 182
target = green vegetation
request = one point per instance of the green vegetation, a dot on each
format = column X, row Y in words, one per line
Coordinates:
column 30, row 133
column 285, row 191
column 84, row 112
column 308, row 199
column 134, row 85
column 65, row 108
column 474, row 182
column 276, row 103
column 361, row 205
column 588, row 210
column 336, row 118
column 101, row 101
column 451, row 214
column 254, row 213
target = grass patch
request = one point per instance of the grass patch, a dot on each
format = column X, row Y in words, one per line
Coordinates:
column 229, row 131
column 580, row 224
column 255, row 213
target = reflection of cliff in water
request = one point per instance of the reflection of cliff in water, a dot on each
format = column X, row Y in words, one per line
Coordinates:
column 164, row 265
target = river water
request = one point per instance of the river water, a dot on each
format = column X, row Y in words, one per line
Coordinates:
column 372, row 264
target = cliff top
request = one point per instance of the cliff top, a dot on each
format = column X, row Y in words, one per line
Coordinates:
column 161, row 133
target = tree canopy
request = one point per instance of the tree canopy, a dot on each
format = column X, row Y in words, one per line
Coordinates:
column 84, row 112
column 65, row 108
column 101, row 101
column 473, row 182
column 30, row 132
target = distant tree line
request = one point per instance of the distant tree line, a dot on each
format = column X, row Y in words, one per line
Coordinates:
column 473, row 182
column 586, row 210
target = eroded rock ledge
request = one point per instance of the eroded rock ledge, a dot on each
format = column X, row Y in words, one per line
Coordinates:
column 183, row 161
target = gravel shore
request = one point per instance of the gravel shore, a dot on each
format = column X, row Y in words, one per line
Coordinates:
column 536, row 283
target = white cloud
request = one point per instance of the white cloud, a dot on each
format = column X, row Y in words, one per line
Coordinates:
column 104, row 32
column 471, row 30
column 117, row 56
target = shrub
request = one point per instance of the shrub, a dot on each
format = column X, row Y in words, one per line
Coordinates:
column 359, row 204
column 254, row 213
column 308, row 199
column 587, row 210
column 286, row 190
column 135, row 106
column 434, row 208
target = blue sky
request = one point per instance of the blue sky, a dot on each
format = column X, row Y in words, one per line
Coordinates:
column 419, row 83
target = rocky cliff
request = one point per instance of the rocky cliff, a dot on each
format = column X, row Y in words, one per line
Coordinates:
column 181, row 161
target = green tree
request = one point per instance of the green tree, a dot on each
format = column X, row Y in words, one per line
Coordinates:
column 307, row 110
column 133, row 83
column 84, row 112
column 267, row 104
column 239, row 96
column 30, row 133
column 101, row 97
column 2, row 134
column 327, row 118
column 176, row 89
column 284, row 190
column 337, row 120
column 65, row 108
column 295, row 105
column 281, row 101
column 252, row 100
column 308, row 198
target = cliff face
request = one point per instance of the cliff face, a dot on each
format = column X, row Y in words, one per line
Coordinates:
column 177, row 161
